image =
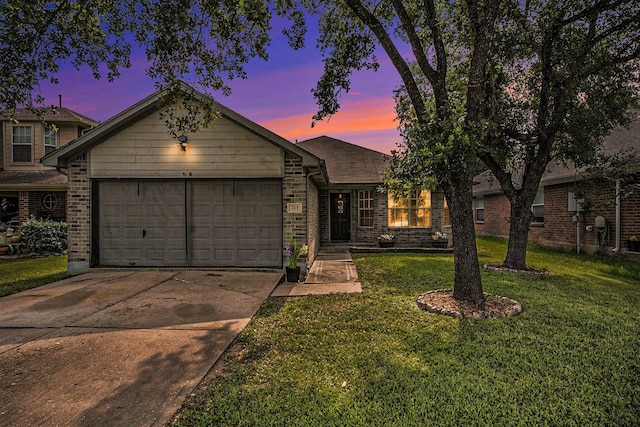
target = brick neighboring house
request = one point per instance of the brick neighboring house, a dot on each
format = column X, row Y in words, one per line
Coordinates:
column 555, row 206
column 230, row 195
column 26, row 186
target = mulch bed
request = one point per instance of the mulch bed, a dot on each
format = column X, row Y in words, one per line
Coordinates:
column 442, row 302
column 528, row 270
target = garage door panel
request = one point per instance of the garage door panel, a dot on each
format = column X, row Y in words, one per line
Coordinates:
column 140, row 225
column 235, row 239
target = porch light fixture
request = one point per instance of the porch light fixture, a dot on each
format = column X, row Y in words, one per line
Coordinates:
column 182, row 142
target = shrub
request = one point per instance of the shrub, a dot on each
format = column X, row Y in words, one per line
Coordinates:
column 45, row 237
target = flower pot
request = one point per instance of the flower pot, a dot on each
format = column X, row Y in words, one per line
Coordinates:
column 16, row 238
column 634, row 245
column 25, row 250
column 4, row 250
column 442, row 244
column 386, row 243
column 293, row 274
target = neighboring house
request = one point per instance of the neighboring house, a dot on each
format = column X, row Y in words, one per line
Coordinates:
column 605, row 223
column 26, row 186
column 231, row 195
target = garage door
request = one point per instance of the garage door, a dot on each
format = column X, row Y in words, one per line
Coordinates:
column 216, row 223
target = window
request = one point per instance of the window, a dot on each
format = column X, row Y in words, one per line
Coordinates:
column 21, row 142
column 538, row 207
column 50, row 140
column 480, row 209
column 411, row 211
column 447, row 216
column 365, row 208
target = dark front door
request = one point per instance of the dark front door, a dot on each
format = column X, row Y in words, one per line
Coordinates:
column 340, row 216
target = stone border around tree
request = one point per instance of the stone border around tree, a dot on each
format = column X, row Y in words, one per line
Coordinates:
column 441, row 301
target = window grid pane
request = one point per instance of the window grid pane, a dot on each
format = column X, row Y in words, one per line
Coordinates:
column 50, row 140
column 365, row 208
column 21, row 142
column 411, row 211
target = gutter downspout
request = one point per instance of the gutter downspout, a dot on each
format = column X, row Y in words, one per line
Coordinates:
column 618, row 215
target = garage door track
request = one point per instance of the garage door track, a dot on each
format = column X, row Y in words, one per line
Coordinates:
column 119, row 348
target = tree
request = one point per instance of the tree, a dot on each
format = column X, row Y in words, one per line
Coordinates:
column 442, row 97
column 563, row 75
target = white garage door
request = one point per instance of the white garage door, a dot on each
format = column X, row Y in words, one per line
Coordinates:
column 213, row 223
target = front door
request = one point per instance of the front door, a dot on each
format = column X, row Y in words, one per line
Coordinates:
column 340, row 216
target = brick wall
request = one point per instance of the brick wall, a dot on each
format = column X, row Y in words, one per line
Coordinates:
column 294, row 186
column 368, row 236
column 79, row 216
column 33, row 201
column 313, row 220
column 558, row 229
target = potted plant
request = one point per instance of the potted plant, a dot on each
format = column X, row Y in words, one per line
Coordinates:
column 439, row 240
column 293, row 252
column 634, row 244
column 386, row 240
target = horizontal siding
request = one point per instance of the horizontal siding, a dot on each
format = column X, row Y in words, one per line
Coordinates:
column 66, row 133
column 146, row 150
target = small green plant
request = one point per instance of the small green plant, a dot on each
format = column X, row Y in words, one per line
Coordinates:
column 293, row 252
column 44, row 237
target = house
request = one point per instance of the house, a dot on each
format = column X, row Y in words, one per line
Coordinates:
column 26, row 186
column 354, row 211
column 560, row 218
column 230, row 195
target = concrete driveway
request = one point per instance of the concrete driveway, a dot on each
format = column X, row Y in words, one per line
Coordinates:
column 118, row 348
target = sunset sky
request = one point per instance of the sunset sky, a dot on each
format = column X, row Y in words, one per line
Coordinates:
column 276, row 94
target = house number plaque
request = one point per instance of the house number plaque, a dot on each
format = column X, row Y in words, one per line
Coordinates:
column 295, row 208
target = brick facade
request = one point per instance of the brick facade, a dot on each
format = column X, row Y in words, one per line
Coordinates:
column 558, row 229
column 33, row 203
column 294, row 190
column 368, row 236
column 79, row 216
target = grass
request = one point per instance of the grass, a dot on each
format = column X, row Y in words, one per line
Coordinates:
column 25, row 273
column 374, row 359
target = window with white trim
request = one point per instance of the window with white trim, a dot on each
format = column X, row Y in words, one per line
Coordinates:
column 50, row 140
column 365, row 208
column 411, row 211
column 447, row 215
column 480, row 209
column 537, row 207
column 21, row 144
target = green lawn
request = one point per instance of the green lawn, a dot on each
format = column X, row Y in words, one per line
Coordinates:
column 374, row 359
column 25, row 273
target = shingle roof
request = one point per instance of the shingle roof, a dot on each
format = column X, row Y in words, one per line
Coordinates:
column 60, row 114
column 347, row 163
column 32, row 178
column 620, row 139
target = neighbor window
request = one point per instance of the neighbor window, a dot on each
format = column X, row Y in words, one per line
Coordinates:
column 538, row 207
column 411, row 211
column 50, row 140
column 21, row 143
column 365, row 208
column 480, row 209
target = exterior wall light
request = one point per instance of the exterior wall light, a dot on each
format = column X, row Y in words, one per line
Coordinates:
column 182, row 142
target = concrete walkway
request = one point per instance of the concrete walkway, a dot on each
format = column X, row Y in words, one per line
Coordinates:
column 333, row 271
column 119, row 348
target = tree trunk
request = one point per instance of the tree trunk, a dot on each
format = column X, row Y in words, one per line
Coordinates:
column 467, row 283
column 518, row 234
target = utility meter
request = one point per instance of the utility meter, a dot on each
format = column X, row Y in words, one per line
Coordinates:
column 601, row 222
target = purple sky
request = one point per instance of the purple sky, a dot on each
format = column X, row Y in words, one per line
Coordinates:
column 276, row 94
